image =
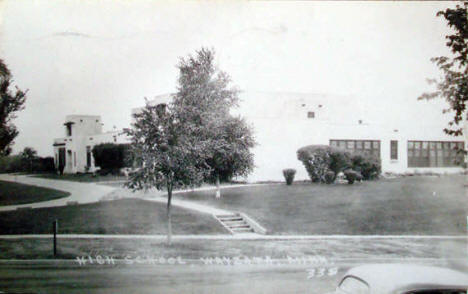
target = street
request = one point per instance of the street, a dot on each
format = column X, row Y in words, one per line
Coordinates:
column 164, row 279
column 49, row 276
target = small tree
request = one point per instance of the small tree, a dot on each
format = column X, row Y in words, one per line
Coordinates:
column 10, row 103
column 28, row 156
column 453, row 87
column 230, row 154
column 203, row 103
column 163, row 153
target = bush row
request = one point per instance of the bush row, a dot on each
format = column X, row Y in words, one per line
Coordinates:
column 323, row 163
column 16, row 163
column 111, row 157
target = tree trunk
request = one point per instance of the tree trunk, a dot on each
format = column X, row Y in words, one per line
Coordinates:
column 169, row 220
column 218, row 189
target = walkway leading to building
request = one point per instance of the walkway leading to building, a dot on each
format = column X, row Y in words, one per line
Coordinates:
column 82, row 193
column 79, row 192
column 234, row 222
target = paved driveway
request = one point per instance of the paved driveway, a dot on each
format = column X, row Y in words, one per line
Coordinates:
column 80, row 192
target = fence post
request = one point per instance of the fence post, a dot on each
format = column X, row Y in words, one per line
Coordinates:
column 55, row 225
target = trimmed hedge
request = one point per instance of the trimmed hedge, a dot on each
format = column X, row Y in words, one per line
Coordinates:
column 369, row 166
column 16, row 163
column 351, row 176
column 111, row 157
column 323, row 163
column 320, row 159
column 289, row 174
column 330, row 177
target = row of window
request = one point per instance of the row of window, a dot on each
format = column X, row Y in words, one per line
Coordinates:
column 371, row 147
column 434, row 154
column 420, row 153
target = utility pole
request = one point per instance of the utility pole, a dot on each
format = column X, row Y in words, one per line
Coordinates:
column 55, row 228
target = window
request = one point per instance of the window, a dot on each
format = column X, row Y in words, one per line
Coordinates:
column 310, row 114
column 88, row 156
column 371, row 147
column 394, row 150
column 434, row 154
column 69, row 130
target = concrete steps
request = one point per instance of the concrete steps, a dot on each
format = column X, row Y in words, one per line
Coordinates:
column 235, row 223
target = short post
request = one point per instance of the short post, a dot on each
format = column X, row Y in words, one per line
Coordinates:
column 55, row 225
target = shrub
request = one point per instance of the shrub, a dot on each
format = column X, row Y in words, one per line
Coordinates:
column 16, row 163
column 359, row 177
column 289, row 174
column 111, row 157
column 369, row 166
column 339, row 161
column 11, row 164
column 330, row 177
column 320, row 159
column 316, row 159
column 44, row 164
column 351, row 176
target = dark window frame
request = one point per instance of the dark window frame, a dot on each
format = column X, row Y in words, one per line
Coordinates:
column 369, row 148
column 394, row 149
column 434, row 153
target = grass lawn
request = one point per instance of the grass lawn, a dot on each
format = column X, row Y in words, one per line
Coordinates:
column 195, row 249
column 422, row 205
column 14, row 193
column 88, row 178
column 125, row 216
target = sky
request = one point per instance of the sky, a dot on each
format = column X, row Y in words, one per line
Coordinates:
column 104, row 57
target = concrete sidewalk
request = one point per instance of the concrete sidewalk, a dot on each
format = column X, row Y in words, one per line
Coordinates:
column 161, row 197
column 249, row 236
column 93, row 192
column 80, row 192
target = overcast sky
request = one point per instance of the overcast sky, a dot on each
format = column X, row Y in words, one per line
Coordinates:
column 104, row 57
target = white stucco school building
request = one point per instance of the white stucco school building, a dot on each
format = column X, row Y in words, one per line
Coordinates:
column 81, row 133
column 285, row 122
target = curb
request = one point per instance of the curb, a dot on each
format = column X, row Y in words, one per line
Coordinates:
column 235, row 237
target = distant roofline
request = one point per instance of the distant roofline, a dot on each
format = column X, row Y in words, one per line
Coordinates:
column 273, row 93
column 82, row 115
column 297, row 93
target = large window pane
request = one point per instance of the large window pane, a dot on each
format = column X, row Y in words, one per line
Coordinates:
column 441, row 154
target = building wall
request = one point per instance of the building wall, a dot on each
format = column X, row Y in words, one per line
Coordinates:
column 282, row 125
column 86, row 132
